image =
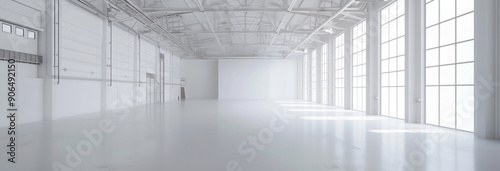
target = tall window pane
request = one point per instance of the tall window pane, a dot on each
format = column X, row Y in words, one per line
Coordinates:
column 339, row 70
column 359, row 66
column 305, row 74
column 324, row 73
column 449, row 63
column 314, row 71
column 393, row 61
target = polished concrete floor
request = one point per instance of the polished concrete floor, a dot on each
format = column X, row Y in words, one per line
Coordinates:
column 219, row 135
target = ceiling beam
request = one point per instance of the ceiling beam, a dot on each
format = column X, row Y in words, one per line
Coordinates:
column 346, row 5
column 244, row 32
column 247, row 9
column 278, row 29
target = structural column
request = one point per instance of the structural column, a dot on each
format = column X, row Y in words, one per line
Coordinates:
column 348, row 69
column 46, row 69
column 331, row 72
column 105, row 54
column 414, row 76
column 485, row 69
column 373, row 60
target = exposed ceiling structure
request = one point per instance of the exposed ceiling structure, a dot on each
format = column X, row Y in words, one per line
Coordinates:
column 233, row 28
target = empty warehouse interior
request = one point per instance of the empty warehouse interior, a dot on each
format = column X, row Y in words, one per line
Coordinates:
column 249, row 85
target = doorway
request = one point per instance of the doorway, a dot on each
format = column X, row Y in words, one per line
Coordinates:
column 150, row 88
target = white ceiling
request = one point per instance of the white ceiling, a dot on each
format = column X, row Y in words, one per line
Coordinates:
column 233, row 28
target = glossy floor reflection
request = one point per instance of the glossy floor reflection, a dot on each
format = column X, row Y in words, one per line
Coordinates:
column 213, row 135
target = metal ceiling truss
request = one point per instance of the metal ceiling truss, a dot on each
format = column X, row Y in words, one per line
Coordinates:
column 233, row 28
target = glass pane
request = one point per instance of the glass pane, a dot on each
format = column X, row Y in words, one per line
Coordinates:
column 393, row 11
column 447, row 32
column 447, row 55
column 401, row 63
column 385, row 51
column 393, row 64
column 465, row 51
column 465, row 108
column 401, row 102
column 447, row 9
column 401, row 46
column 447, row 74
column 393, row 30
column 393, row 79
column 393, row 48
column 385, row 101
column 464, row 6
column 19, row 31
column 385, row 66
column 401, row 7
column 431, row 13
column 393, row 96
column 432, row 37
column 432, row 76
column 385, row 33
column 6, row 28
column 432, row 105
column 401, row 26
column 401, row 78
column 31, row 34
column 385, row 15
column 432, row 58
column 465, row 27
column 447, row 106
column 465, row 73
column 385, row 80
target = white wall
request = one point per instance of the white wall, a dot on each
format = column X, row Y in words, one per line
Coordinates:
column 18, row 15
column 257, row 79
column 29, row 97
column 84, row 87
column 201, row 79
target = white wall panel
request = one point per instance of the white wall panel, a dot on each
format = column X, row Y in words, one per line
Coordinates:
column 123, row 54
column 22, row 15
column 29, row 99
column 282, row 74
column 201, row 79
column 72, row 98
column 148, row 56
column 257, row 79
column 81, row 42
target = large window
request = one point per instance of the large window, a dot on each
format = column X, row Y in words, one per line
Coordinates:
column 305, row 74
column 449, row 61
column 359, row 67
column 314, row 71
column 324, row 73
column 393, row 60
column 339, row 70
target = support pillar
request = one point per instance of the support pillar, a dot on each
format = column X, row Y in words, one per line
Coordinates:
column 485, row 69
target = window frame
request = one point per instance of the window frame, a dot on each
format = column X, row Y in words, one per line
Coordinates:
column 10, row 28
column 397, row 56
column 355, row 51
column 439, row 65
column 19, row 28
column 340, row 70
column 34, row 34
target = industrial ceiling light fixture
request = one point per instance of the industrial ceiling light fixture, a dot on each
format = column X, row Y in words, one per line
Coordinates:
column 328, row 30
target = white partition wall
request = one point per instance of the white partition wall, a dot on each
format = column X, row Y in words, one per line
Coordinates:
column 257, row 79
